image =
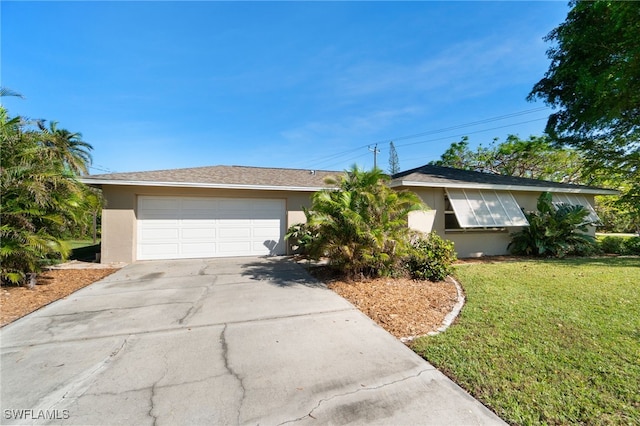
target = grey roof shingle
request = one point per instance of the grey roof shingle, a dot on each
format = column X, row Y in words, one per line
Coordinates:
column 441, row 176
column 305, row 179
column 225, row 175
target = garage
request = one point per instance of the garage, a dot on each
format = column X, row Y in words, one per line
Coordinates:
column 197, row 227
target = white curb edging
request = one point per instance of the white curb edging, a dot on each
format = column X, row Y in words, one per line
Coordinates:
column 448, row 319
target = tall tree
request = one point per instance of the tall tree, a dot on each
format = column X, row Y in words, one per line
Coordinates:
column 594, row 82
column 41, row 199
column 67, row 147
column 535, row 157
column 394, row 163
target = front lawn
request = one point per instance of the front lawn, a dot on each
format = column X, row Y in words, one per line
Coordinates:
column 549, row 341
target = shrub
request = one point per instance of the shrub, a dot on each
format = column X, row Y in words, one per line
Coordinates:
column 300, row 236
column 431, row 258
column 554, row 231
column 612, row 245
column 632, row 245
column 620, row 245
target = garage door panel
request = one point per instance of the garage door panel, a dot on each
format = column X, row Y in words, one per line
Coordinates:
column 198, row 234
column 264, row 232
column 155, row 234
column 235, row 233
column 234, row 248
column 198, row 249
column 190, row 227
column 169, row 249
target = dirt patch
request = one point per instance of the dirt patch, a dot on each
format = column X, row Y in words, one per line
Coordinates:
column 16, row 302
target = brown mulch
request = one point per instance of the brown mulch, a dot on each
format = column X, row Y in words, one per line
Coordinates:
column 16, row 302
column 404, row 307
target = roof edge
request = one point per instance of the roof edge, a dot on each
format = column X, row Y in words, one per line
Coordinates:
column 89, row 181
column 575, row 190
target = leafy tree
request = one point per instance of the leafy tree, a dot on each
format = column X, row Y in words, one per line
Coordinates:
column 554, row 231
column 394, row 163
column 535, row 158
column 41, row 197
column 593, row 81
column 362, row 226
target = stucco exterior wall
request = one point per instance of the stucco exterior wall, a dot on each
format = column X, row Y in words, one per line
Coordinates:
column 470, row 243
column 119, row 215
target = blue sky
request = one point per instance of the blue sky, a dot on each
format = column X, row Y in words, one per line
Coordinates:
column 155, row 85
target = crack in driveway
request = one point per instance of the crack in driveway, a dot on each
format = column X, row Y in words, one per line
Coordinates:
column 362, row 389
column 227, row 366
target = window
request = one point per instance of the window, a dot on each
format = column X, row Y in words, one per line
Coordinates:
column 577, row 200
column 478, row 209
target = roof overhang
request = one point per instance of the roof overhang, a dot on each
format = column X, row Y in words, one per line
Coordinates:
column 112, row 182
column 495, row 187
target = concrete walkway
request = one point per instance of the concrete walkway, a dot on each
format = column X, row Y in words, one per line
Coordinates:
column 217, row 341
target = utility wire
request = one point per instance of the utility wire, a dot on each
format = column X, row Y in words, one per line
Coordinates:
column 328, row 158
column 453, row 136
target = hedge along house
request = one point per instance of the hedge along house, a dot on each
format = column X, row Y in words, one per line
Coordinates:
column 223, row 211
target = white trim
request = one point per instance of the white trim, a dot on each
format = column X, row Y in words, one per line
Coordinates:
column 90, row 181
column 495, row 187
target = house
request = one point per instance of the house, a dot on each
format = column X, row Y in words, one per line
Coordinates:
column 223, row 211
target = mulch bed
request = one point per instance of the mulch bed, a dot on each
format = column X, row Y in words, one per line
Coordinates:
column 16, row 302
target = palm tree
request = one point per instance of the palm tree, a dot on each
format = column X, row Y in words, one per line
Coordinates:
column 41, row 200
column 67, row 147
column 362, row 226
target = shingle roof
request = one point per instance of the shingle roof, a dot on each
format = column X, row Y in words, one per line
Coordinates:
column 307, row 180
column 222, row 175
column 446, row 176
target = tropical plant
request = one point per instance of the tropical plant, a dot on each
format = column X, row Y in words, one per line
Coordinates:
column 41, row 198
column 361, row 225
column 554, row 230
column 431, row 258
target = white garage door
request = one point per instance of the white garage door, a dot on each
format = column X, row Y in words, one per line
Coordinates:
column 193, row 227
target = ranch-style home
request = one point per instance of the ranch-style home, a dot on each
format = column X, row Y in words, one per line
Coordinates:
column 224, row 211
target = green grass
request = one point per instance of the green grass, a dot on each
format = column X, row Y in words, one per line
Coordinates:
column 83, row 250
column 547, row 342
column 75, row 244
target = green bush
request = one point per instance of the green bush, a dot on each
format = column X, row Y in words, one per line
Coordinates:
column 554, row 231
column 431, row 258
column 300, row 236
column 611, row 245
column 620, row 245
column 632, row 245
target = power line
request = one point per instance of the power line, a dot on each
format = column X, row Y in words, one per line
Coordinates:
column 328, row 158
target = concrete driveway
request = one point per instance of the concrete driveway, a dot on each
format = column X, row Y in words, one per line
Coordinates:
column 217, row 341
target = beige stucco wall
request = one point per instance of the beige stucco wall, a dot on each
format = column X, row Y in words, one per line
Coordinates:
column 119, row 215
column 473, row 243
